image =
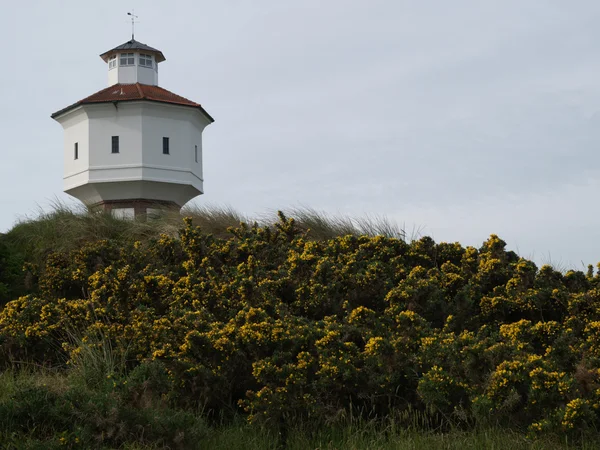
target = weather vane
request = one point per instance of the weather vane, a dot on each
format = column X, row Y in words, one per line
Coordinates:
column 133, row 22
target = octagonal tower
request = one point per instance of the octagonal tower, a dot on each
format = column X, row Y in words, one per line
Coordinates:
column 134, row 146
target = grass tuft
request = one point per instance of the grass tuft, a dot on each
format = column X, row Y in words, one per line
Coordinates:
column 65, row 228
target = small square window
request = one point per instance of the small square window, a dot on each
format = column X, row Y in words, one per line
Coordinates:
column 165, row 146
column 115, row 144
column 76, row 150
column 127, row 59
column 145, row 60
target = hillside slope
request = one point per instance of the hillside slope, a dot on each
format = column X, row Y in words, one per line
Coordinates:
column 267, row 322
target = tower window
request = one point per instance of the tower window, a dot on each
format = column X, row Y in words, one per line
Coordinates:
column 145, row 60
column 196, row 153
column 127, row 59
column 115, row 144
column 76, row 150
column 112, row 62
column 165, row 146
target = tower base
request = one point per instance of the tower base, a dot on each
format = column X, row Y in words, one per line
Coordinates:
column 139, row 208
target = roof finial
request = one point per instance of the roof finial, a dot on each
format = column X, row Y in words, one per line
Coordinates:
column 133, row 22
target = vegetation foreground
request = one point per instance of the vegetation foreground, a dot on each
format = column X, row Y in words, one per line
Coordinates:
column 297, row 334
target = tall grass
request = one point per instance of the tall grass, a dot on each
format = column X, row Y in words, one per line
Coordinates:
column 93, row 403
column 64, row 228
column 95, row 360
column 322, row 226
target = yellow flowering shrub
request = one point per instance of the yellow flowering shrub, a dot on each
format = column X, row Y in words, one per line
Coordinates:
column 272, row 324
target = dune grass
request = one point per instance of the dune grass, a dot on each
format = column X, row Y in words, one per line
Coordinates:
column 63, row 228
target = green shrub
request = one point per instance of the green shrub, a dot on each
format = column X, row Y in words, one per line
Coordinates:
column 284, row 328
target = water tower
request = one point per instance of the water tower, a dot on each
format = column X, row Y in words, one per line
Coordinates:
column 133, row 147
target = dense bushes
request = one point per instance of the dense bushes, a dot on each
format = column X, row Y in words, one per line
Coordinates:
column 282, row 327
column 11, row 263
column 71, row 411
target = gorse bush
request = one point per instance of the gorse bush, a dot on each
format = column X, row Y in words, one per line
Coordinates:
column 66, row 228
column 284, row 328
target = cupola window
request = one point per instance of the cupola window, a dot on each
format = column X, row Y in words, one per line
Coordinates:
column 127, row 59
column 145, row 60
column 112, row 62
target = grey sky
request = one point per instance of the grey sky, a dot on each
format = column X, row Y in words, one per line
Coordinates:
column 464, row 118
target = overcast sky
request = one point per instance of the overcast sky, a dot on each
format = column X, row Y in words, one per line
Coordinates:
column 462, row 118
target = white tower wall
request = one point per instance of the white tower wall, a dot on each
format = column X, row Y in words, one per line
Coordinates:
column 184, row 129
column 107, row 120
column 140, row 170
column 76, row 131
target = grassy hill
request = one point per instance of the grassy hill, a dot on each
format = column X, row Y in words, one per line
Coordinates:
column 306, row 332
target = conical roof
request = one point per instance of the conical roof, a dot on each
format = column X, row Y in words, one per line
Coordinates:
column 134, row 45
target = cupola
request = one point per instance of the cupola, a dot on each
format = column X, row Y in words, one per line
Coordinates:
column 133, row 62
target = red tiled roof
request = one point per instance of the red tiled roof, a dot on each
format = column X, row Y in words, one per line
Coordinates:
column 132, row 92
